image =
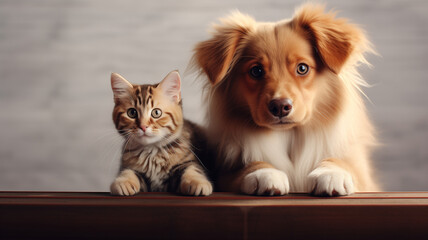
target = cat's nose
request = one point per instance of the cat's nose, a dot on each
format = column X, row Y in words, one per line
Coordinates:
column 144, row 128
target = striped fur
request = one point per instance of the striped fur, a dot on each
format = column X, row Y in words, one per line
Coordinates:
column 159, row 151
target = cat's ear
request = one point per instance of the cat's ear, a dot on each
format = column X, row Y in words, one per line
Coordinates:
column 120, row 85
column 171, row 86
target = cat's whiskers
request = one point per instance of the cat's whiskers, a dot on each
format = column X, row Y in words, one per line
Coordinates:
column 169, row 143
column 128, row 139
column 107, row 134
column 190, row 149
column 108, row 144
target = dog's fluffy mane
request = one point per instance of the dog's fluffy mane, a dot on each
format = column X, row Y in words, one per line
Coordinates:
column 341, row 130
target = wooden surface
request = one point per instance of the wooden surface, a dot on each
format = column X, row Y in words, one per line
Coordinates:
column 84, row 215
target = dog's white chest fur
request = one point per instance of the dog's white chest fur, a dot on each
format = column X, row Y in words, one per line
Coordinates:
column 295, row 152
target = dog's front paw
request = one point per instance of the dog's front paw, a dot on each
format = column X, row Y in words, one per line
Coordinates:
column 331, row 182
column 266, row 181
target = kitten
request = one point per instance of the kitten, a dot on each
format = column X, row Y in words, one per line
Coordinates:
column 159, row 149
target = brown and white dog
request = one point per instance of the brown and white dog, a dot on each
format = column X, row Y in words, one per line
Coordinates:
column 286, row 112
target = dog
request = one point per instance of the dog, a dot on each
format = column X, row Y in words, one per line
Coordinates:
column 286, row 112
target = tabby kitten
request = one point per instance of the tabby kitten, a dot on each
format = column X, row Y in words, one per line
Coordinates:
column 159, row 149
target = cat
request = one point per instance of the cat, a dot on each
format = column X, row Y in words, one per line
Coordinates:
column 159, row 152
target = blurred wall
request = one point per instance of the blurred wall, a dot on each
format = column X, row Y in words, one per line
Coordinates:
column 56, row 57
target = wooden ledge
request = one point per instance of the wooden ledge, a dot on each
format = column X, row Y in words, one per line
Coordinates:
column 83, row 215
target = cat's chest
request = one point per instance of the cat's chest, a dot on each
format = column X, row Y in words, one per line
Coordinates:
column 154, row 163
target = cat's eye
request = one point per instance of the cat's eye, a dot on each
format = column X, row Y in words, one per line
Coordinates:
column 132, row 113
column 257, row 72
column 302, row 69
column 156, row 113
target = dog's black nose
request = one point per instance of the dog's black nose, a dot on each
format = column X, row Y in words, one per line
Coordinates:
column 280, row 107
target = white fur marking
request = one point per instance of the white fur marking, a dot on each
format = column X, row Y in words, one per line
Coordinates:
column 331, row 181
column 266, row 181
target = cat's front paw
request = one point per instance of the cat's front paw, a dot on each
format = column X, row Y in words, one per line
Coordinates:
column 124, row 188
column 331, row 182
column 194, row 183
column 196, row 187
column 266, row 181
column 126, row 184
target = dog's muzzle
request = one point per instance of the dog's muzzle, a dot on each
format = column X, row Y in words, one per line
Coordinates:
column 280, row 107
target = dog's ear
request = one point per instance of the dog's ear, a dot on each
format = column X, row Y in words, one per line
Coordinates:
column 334, row 39
column 218, row 55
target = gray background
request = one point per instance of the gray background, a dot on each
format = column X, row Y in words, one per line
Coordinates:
column 56, row 57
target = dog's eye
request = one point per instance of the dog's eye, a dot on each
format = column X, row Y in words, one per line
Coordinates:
column 302, row 69
column 132, row 113
column 257, row 72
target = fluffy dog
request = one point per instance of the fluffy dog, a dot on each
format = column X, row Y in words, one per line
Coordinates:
column 285, row 106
